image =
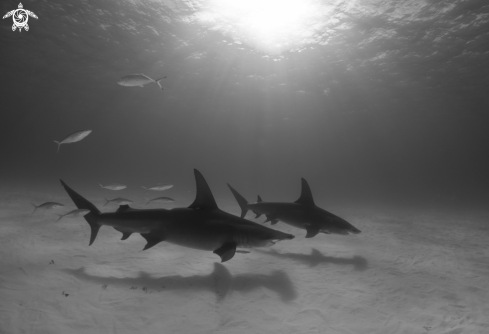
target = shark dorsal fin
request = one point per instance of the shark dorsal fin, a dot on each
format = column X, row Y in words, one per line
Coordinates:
column 306, row 194
column 258, row 200
column 123, row 208
column 204, row 200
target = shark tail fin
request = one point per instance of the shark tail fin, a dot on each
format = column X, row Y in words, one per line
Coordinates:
column 35, row 208
column 92, row 217
column 59, row 144
column 158, row 82
column 241, row 201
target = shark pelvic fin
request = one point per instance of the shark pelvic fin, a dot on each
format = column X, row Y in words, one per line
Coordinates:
column 152, row 240
column 306, row 194
column 204, row 200
column 312, row 231
column 125, row 234
column 241, row 201
column 83, row 203
column 123, row 208
column 226, row 251
column 271, row 219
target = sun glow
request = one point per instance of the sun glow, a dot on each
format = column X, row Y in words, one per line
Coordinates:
column 270, row 25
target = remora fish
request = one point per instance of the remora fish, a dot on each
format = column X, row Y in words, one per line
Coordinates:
column 118, row 201
column 133, row 80
column 74, row 213
column 200, row 226
column 114, row 186
column 159, row 188
column 303, row 213
column 73, row 138
column 47, row 206
column 161, row 199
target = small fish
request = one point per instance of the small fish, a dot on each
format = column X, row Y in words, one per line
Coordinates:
column 159, row 188
column 133, row 80
column 73, row 138
column 114, row 186
column 161, row 199
column 47, row 206
column 74, row 213
column 118, row 201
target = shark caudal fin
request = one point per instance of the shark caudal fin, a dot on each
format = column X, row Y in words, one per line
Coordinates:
column 306, row 194
column 158, row 82
column 242, row 202
column 82, row 203
column 204, row 200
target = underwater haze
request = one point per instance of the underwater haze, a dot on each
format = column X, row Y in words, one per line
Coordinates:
column 381, row 105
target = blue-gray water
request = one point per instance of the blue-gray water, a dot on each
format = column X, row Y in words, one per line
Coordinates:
column 376, row 103
column 378, row 106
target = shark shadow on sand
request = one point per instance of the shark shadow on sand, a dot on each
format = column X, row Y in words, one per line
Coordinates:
column 220, row 281
column 359, row 263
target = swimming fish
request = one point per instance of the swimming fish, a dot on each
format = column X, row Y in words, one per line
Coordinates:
column 159, row 188
column 74, row 213
column 118, row 201
column 133, row 80
column 47, row 206
column 73, row 138
column 114, row 186
column 161, row 199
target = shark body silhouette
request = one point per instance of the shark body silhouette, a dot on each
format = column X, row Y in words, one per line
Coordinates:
column 303, row 213
column 200, row 226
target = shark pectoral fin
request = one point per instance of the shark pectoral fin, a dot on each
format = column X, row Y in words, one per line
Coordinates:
column 274, row 221
column 312, row 231
column 152, row 240
column 226, row 251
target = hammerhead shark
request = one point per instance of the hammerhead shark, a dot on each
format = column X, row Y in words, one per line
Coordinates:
column 303, row 213
column 200, row 226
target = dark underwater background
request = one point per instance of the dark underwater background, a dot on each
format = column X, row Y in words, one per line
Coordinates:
column 380, row 105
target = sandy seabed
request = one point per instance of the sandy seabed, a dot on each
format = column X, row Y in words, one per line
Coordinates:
column 407, row 272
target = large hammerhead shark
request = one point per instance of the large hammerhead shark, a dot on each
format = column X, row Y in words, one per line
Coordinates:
column 201, row 226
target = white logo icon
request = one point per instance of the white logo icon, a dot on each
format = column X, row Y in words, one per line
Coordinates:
column 20, row 16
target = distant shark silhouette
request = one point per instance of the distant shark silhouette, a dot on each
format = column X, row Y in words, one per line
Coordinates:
column 303, row 213
column 200, row 226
